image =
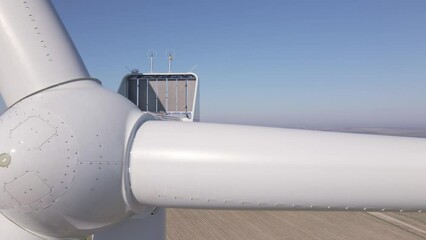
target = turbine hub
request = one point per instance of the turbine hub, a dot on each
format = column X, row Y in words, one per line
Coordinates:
column 63, row 160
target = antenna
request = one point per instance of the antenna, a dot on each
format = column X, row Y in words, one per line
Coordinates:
column 170, row 62
column 151, row 55
column 170, row 55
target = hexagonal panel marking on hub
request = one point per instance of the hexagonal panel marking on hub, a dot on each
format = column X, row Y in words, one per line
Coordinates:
column 28, row 189
column 43, row 160
column 35, row 130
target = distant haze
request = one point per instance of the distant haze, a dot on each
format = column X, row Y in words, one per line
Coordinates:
column 308, row 64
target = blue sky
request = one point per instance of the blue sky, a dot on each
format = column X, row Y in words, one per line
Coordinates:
column 315, row 64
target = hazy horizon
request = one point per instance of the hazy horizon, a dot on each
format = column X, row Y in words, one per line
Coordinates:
column 303, row 64
column 284, row 63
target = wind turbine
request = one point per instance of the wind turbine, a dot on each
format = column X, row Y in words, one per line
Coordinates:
column 77, row 159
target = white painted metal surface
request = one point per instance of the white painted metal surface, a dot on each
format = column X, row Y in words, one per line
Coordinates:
column 9, row 230
column 67, row 171
column 201, row 165
column 64, row 138
column 36, row 51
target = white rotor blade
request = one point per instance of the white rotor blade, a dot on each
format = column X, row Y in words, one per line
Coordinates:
column 36, row 51
column 202, row 165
